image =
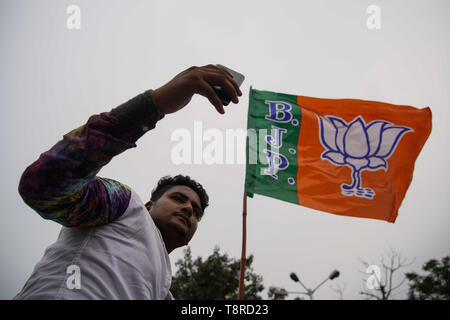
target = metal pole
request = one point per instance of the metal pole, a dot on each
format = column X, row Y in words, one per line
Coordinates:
column 319, row 285
column 244, row 243
column 307, row 290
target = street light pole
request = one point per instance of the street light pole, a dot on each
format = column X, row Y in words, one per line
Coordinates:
column 296, row 279
column 310, row 292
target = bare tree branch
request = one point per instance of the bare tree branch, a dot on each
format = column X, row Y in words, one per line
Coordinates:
column 400, row 284
column 339, row 290
column 370, row 295
column 386, row 288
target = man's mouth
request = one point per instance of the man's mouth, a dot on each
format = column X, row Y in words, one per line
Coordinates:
column 184, row 218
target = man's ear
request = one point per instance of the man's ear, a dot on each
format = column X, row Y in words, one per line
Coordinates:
column 149, row 204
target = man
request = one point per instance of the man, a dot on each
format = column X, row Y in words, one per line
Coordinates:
column 111, row 245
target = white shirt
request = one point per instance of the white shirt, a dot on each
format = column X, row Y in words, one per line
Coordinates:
column 125, row 259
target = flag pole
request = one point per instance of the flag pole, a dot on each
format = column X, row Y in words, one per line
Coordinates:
column 244, row 243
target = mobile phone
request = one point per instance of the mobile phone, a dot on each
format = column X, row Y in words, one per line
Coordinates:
column 238, row 77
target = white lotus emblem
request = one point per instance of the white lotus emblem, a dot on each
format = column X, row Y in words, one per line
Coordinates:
column 360, row 147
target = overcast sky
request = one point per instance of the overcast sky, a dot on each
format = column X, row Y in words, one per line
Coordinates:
column 53, row 78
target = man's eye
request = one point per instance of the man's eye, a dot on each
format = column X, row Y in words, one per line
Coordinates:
column 177, row 198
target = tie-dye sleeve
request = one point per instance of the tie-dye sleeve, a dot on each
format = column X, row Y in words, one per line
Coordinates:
column 62, row 184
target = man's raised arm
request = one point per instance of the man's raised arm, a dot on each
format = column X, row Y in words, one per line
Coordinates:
column 62, row 184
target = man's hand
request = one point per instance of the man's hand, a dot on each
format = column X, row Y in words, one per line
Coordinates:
column 177, row 93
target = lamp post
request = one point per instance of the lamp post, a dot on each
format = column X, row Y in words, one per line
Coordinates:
column 333, row 275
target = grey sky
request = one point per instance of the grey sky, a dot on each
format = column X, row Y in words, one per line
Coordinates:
column 54, row 78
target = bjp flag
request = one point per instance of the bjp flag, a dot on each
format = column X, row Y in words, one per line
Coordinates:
column 343, row 156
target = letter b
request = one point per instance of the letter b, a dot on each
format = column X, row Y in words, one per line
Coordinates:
column 277, row 114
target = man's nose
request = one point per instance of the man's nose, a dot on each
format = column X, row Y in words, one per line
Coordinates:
column 187, row 208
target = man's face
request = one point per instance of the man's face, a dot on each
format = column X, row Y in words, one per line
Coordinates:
column 176, row 215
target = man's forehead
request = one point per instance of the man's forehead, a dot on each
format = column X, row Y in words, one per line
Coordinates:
column 185, row 190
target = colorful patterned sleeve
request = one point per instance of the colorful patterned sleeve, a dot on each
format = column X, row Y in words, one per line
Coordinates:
column 62, row 184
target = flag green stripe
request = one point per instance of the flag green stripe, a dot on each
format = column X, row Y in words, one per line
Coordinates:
column 263, row 177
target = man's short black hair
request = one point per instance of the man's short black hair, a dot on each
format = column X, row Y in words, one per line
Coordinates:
column 167, row 182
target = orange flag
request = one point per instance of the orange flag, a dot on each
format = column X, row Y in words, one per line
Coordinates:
column 343, row 156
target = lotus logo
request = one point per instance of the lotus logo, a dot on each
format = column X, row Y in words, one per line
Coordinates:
column 360, row 147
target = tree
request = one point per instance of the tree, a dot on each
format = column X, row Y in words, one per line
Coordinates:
column 339, row 290
column 217, row 277
column 435, row 285
column 276, row 293
column 381, row 281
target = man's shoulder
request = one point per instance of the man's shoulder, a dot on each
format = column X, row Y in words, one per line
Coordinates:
column 135, row 217
column 118, row 197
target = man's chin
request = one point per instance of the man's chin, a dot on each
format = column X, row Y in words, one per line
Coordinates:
column 179, row 228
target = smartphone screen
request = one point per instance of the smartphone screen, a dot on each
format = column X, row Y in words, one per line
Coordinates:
column 238, row 77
